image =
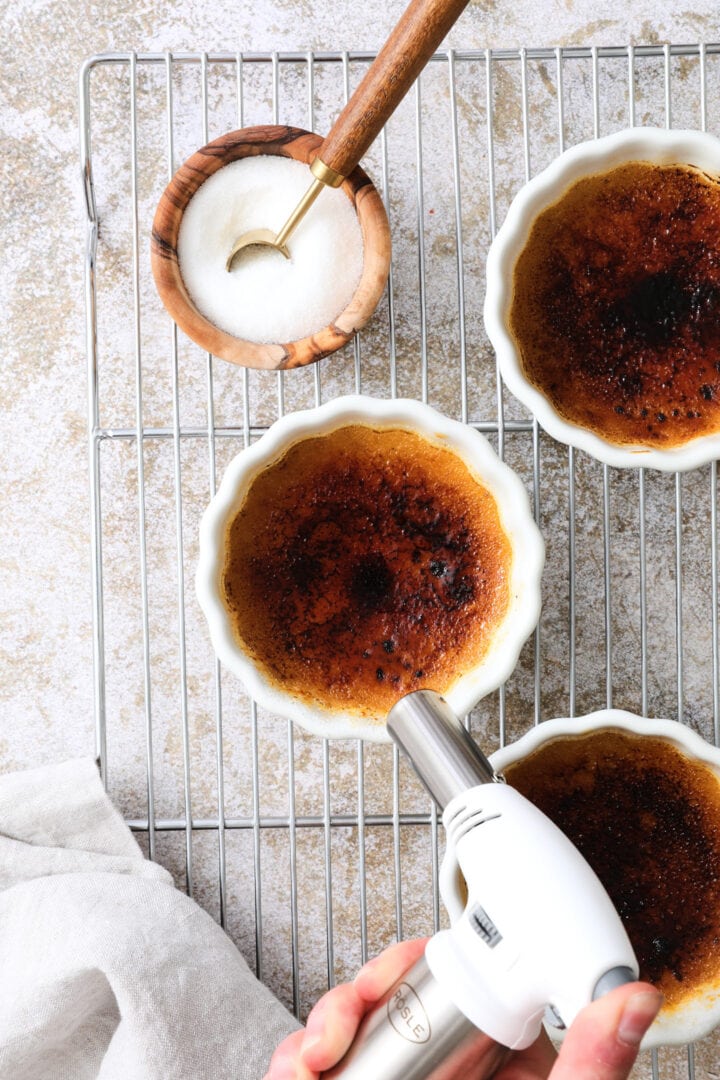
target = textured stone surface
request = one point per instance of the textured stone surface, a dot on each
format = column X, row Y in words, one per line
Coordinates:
column 46, row 677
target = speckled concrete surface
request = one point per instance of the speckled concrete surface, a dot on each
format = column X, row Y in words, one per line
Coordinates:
column 46, row 679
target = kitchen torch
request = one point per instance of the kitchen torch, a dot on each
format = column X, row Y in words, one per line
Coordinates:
column 532, row 934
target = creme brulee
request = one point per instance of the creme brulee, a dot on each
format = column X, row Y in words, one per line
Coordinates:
column 647, row 819
column 616, row 304
column 363, row 564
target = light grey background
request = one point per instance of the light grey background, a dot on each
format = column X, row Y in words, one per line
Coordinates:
column 45, row 632
column 46, row 629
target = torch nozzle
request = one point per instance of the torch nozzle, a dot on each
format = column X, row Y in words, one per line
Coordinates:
column 441, row 751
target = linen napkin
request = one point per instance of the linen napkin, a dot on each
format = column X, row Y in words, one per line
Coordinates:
column 107, row 972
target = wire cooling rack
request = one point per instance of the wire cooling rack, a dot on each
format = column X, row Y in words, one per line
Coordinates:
column 314, row 855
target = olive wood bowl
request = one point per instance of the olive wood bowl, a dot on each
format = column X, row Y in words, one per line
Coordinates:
column 284, row 142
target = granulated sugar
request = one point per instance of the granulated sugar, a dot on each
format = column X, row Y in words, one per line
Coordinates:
column 267, row 298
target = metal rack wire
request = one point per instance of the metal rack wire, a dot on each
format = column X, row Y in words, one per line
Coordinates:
column 314, row 855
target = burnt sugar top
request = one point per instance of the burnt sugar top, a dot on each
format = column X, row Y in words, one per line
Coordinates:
column 365, row 563
column 616, row 304
column 647, row 819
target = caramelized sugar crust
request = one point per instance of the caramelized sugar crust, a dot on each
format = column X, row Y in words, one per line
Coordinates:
column 364, row 564
column 616, row 304
column 647, row 819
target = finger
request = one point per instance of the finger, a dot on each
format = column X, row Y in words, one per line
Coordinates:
column 332, row 1024
column 285, row 1064
column 535, row 1063
column 380, row 973
column 604, row 1041
column 331, row 1027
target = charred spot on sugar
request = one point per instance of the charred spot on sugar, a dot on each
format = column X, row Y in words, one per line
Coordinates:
column 371, row 581
column 304, row 568
column 652, row 308
column 461, row 590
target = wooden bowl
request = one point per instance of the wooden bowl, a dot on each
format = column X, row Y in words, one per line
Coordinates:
column 283, row 142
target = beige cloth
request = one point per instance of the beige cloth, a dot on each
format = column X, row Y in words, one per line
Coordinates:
column 106, row 970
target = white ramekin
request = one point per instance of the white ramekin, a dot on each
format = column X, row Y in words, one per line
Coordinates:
column 693, row 1019
column 657, row 145
column 472, row 447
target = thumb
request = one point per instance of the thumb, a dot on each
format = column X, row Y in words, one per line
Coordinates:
column 604, row 1040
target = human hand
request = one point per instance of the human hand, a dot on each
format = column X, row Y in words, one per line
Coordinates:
column 602, row 1044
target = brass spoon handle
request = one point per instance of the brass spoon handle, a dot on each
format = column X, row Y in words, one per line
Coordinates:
column 415, row 38
column 421, row 28
column 299, row 213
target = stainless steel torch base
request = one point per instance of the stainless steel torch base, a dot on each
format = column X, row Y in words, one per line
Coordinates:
column 416, row 1033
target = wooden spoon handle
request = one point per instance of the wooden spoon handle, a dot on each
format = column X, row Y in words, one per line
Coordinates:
column 421, row 29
